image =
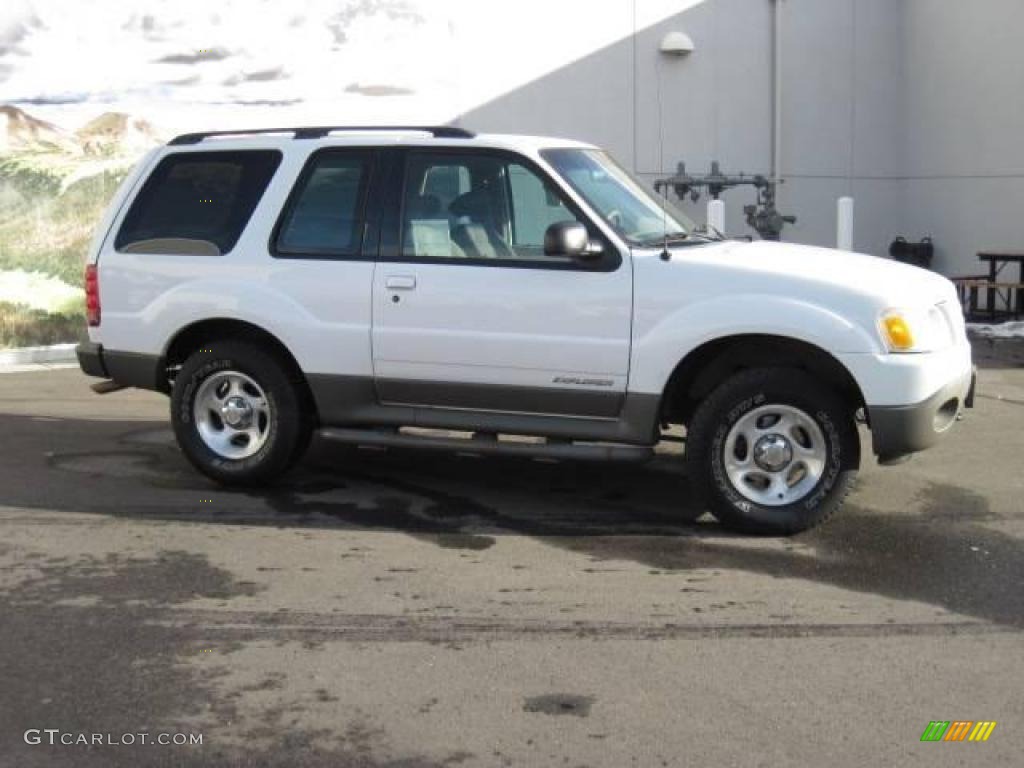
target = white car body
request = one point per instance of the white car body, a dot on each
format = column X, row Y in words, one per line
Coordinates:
column 621, row 333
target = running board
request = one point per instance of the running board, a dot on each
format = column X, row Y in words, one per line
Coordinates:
column 485, row 443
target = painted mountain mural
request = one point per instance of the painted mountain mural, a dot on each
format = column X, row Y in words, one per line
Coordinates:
column 54, row 185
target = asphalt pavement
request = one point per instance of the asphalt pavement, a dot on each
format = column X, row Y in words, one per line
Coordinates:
column 395, row 608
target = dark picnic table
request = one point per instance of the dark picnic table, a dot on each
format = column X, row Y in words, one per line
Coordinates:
column 997, row 261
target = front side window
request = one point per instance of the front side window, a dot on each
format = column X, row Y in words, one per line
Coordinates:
column 535, row 207
column 638, row 216
column 197, row 203
column 477, row 206
column 325, row 215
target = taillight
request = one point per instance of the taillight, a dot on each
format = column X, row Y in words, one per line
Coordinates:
column 92, row 295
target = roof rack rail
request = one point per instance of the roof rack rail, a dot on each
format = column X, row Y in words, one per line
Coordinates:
column 319, row 132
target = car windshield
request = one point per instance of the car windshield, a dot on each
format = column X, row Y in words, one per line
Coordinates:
column 640, row 217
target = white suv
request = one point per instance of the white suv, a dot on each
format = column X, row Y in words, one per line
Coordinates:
column 360, row 282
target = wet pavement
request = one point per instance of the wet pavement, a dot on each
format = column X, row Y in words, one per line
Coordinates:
column 406, row 609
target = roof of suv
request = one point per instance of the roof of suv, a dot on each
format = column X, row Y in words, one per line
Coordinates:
column 444, row 135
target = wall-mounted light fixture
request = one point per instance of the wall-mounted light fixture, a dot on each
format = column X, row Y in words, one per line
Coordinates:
column 676, row 43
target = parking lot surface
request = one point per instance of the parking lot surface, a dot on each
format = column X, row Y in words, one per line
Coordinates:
column 420, row 609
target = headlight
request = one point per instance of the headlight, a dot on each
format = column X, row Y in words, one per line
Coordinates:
column 915, row 330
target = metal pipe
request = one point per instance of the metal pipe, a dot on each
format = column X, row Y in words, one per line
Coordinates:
column 844, row 224
column 777, row 91
column 716, row 215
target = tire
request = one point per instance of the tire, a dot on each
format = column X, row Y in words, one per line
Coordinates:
column 772, row 451
column 225, row 382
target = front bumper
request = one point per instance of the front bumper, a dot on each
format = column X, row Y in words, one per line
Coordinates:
column 897, row 431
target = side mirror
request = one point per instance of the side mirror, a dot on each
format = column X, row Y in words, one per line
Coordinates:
column 569, row 238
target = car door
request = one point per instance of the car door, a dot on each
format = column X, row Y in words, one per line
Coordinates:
column 469, row 313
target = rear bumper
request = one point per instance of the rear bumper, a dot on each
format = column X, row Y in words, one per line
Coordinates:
column 90, row 359
column 900, row 430
column 130, row 369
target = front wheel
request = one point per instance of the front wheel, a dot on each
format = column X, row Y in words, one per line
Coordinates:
column 237, row 415
column 772, row 450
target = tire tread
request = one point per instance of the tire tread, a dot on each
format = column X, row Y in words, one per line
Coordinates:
column 716, row 406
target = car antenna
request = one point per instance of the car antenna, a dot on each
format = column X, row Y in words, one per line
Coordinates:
column 665, row 254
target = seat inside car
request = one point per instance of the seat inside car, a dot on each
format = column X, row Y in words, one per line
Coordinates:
column 476, row 228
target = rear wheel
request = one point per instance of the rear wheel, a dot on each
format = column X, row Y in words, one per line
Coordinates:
column 772, row 450
column 237, row 414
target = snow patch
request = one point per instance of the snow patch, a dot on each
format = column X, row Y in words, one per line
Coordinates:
column 1010, row 330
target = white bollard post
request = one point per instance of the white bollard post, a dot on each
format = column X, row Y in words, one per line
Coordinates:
column 844, row 224
column 716, row 215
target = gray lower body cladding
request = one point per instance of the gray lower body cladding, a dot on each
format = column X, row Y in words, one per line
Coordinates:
column 592, row 403
column 572, row 414
column 900, row 430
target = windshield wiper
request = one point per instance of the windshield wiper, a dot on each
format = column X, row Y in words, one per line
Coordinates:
column 708, row 232
column 668, row 237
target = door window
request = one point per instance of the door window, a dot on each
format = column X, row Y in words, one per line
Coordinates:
column 477, row 206
column 535, row 207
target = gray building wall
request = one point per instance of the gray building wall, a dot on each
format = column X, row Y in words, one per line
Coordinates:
column 964, row 126
column 912, row 107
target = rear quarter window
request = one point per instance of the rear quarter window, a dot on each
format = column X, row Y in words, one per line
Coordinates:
column 197, row 203
column 324, row 213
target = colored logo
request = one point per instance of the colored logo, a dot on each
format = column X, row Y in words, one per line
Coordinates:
column 958, row 730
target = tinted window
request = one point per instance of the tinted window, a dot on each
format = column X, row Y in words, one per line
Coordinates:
column 477, row 206
column 197, row 202
column 325, row 214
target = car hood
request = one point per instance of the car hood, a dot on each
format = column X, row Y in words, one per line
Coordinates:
column 772, row 264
